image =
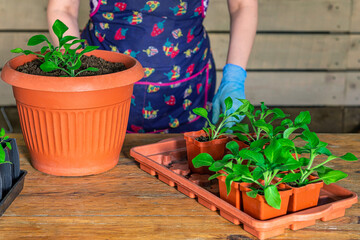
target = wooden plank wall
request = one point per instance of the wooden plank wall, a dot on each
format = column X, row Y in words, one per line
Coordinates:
column 306, row 53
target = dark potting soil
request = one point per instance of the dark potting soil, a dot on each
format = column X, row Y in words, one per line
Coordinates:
column 104, row 67
column 295, row 185
column 202, row 139
column 256, row 187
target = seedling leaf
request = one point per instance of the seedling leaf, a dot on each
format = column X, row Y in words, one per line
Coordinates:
column 48, row 66
column 349, row 157
column 59, row 28
column 332, row 176
column 272, row 196
column 201, row 112
column 252, row 193
column 17, row 50
column 228, row 103
column 203, row 159
column 233, row 147
column 37, row 39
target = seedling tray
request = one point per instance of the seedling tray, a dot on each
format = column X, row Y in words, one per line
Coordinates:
column 13, row 192
column 167, row 160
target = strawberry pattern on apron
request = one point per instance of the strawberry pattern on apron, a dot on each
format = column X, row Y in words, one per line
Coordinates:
column 169, row 40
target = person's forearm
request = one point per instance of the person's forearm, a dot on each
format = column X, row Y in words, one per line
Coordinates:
column 243, row 15
column 67, row 12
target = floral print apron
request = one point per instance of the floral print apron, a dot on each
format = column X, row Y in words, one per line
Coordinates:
column 169, row 40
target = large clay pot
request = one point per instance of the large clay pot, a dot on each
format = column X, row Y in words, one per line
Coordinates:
column 74, row 126
column 216, row 148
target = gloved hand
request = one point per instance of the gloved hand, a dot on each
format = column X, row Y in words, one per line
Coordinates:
column 231, row 85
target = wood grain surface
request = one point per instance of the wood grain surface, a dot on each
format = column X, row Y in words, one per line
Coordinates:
column 127, row 203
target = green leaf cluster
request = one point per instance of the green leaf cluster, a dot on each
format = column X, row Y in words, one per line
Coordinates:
column 262, row 123
column 273, row 157
column 65, row 57
column 313, row 148
column 4, row 144
column 215, row 131
column 261, row 168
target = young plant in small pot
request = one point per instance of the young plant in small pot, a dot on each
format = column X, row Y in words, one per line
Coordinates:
column 211, row 139
column 306, row 189
column 262, row 128
column 234, row 156
column 260, row 193
column 73, row 126
column 11, row 178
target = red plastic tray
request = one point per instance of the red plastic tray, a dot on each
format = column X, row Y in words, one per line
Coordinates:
column 167, row 160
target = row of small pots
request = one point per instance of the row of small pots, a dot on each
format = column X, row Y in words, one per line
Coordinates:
column 292, row 198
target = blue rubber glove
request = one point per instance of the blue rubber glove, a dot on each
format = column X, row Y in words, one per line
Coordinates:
column 232, row 85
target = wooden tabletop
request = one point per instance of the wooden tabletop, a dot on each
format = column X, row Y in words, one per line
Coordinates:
column 128, row 203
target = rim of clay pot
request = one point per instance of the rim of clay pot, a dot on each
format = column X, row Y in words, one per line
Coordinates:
column 132, row 74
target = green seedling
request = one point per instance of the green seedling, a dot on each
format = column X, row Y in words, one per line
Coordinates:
column 63, row 57
column 261, row 128
column 266, row 163
column 213, row 131
column 313, row 149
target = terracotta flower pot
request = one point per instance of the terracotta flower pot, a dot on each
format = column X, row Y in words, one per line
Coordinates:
column 306, row 196
column 74, row 126
column 258, row 208
column 234, row 198
column 216, row 148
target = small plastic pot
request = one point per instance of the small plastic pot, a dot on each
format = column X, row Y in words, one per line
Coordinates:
column 306, row 196
column 258, row 208
column 234, row 198
column 216, row 148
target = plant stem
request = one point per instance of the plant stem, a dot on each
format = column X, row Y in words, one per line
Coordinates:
column 266, row 179
column 315, row 180
column 254, row 181
column 305, row 176
column 312, row 157
column 319, row 165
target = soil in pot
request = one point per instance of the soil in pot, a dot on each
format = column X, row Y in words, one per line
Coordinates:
column 105, row 67
column 202, row 139
column 304, row 197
